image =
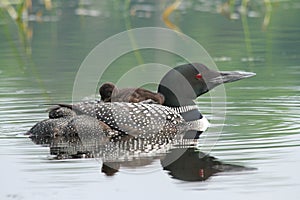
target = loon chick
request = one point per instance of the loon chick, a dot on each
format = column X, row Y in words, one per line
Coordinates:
column 110, row 93
column 65, row 122
column 59, row 117
column 60, row 112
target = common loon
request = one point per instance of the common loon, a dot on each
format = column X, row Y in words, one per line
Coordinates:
column 180, row 86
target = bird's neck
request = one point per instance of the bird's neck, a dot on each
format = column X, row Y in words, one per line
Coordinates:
column 175, row 101
column 186, row 107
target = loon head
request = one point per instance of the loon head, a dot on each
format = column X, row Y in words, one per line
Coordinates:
column 184, row 83
column 106, row 91
column 60, row 112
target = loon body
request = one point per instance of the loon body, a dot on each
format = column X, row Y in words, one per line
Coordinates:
column 141, row 120
column 179, row 87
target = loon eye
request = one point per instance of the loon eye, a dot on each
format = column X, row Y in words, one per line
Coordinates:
column 198, row 76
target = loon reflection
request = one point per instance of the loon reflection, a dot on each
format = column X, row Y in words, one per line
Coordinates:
column 182, row 161
column 193, row 165
column 186, row 164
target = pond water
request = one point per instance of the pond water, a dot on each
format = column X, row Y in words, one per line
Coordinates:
column 40, row 57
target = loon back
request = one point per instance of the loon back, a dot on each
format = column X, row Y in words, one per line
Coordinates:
column 134, row 119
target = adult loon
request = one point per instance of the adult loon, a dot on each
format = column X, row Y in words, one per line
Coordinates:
column 179, row 87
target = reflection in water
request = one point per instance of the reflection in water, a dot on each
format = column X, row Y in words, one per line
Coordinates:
column 193, row 165
column 180, row 158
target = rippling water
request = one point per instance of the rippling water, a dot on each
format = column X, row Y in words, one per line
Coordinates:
column 260, row 135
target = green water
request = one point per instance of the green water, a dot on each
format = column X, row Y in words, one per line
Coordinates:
column 262, row 119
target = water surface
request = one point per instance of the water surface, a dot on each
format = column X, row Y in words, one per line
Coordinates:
column 39, row 64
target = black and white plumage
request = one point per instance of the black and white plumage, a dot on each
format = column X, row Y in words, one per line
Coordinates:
column 184, row 83
column 135, row 119
column 179, row 87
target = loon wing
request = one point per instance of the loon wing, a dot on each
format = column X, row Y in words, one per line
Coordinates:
column 136, row 119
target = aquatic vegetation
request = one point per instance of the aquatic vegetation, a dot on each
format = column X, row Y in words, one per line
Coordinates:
column 167, row 12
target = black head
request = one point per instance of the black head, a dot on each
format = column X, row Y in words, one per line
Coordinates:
column 185, row 83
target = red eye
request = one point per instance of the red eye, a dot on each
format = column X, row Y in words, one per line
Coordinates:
column 198, row 76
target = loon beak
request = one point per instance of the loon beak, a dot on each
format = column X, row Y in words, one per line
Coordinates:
column 227, row 77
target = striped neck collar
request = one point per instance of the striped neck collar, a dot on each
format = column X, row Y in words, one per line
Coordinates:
column 184, row 109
